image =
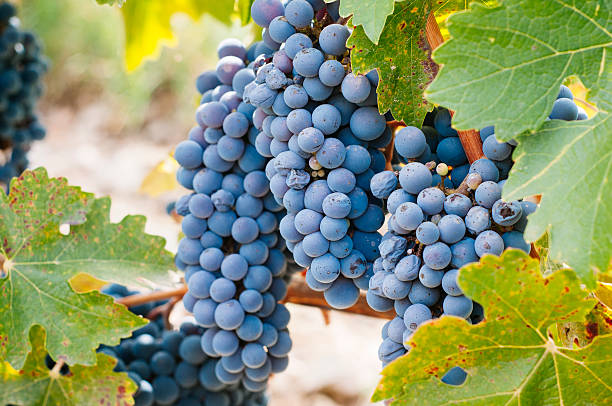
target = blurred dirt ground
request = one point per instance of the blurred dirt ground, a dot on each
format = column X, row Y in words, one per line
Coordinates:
column 330, row 365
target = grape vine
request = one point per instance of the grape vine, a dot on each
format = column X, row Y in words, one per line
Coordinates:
column 456, row 188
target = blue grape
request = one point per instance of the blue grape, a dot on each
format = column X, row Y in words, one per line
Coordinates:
column 189, row 251
column 326, row 118
column 336, row 205
column 383, row 184
column 455, row 376
column 295, row 43
column 299, row 13
column 222, row 289
column 331, row 73
column 231, row 46
column 378, row 303
column 449, row 283
column 280, row 29
column 316, row 90
column 459, row 173
column 253, row 355
column 221, row 223
column 357, row 159
column 165, row 390
column 342, row 247
column 409, row 215
column 222, row 200
column 355, row 88
column 423, row 295
column 325, row 268
column 199, row 284
column 395, row 289
column 367, row 123
column 193, row 227
column 437, row 256
column 459, row 306
column 427, row 233
column 334, row 229
column 415, row 177
column 258, row 277
column 463, row 252
column 307, row 61
column 371, row 221
column 506, row 213
column 477, row 220
column 207, row 181
column 487, row 194
column 452, row 228
column 264, row 11
column 191, row 351
column 229, row 315
column 396, row 198
column 564, row 109
column 188, row 154
column 442, row 123
column 341, row 180
column 207, row 81
column 245, row 230
column 410, row 142
column 212, row 159
column 342, row 294
column 515, row 239
column 450, row 151
column 315, row 245
column 415, row 315
column 293, row 200
column 486, row 169
column 249, row 206
column 295, row 96
column 279, row 129
column 430, row 278
column 431, row 200
column 488, row 242
column 527, row 208
column 204, row 312
column 346, row 110
column 333, row 39
column 226, row 343
column 307, row 221
column 354, row 265
column 201, row 206
column 407, row 269
column 495, row 150
column 367, row 244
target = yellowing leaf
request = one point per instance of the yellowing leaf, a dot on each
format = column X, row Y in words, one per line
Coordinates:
column 509, row 357
column 36, row 385
column 147, row 24
column 83, row 283
column 161, row 179
column 39, row 261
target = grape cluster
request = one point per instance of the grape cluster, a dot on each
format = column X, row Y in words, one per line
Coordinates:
column 322, row 132
column 234, row 261
column 434, row 229
column 170, row 367
column 23, row 66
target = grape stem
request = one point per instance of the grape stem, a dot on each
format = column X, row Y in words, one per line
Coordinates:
column 298, row 293
column 55, row 372
column 470, row 139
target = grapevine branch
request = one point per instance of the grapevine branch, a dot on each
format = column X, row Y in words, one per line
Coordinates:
column 298, row 293
column 470, row 139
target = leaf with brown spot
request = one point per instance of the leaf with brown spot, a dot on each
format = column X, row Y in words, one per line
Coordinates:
column 39, row 262
column 402, row 58
column 35, row 385
column 509, row 357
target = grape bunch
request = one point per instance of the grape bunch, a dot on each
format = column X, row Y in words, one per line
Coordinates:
column 170, row 367
column 23, row 66
column 320, row 127
column 434, row 229
column 234, row 259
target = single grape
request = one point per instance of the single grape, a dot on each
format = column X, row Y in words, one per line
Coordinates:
column 333, row 39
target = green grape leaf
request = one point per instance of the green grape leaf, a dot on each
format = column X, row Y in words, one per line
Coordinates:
column 570, row 165
column 503, row 65
column 370, row 15
column 402, row 61
column 38, row 261
column 244, row 10
column 147, row 24
column 510, row 357
column 36, row 385
column 111, row 2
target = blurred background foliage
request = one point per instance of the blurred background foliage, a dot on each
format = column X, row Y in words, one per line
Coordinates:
column 85, row 43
